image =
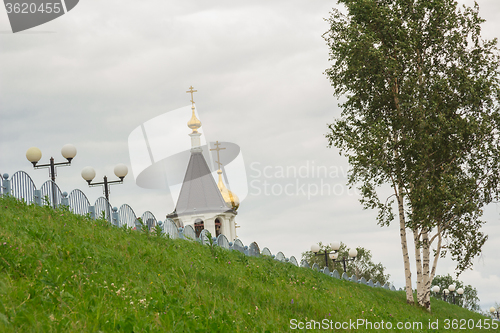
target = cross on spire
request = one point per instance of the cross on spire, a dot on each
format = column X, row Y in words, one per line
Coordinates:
column 217, row 144
column 192, row 91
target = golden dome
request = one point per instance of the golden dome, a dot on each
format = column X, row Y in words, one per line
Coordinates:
column 229, row 197
column 194, row 123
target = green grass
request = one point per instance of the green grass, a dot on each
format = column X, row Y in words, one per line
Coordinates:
column 65, row 273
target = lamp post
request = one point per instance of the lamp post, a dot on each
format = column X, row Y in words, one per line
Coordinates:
column 451, row 288
column 495, row 312
column 445, row 293
column 352, row 254
column 34, row 155
column 436, row 289
column 460, row 292
column 335, row 246
column 121, row 170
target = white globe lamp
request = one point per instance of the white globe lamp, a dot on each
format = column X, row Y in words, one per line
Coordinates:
column 88, row 173
column 33, row 155
column 68, row 151
column 315, row 248
column 121, row 171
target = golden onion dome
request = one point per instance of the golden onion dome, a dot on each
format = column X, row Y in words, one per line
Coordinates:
column 194, row 123
column 229, row 197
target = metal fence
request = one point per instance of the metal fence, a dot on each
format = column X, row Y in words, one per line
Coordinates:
column 149, row 219
column 127, row 216
column 50, row 192
column 22, row 187
column 78, row 202
column 190, row 233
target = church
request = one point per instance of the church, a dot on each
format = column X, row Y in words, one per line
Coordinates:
column 203, row 203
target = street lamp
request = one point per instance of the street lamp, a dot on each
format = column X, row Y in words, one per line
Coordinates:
column 493, row 312
column 445, row 293
column 352, row 254
column 452, row 287
column 88, row 173
column 460, row 292
column 335, row 246
column 34, row 155
column 436, row 289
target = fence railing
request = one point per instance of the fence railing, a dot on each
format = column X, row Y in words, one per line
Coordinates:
column 22, row 187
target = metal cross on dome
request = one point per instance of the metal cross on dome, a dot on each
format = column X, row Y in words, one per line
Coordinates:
column 192, row 91
column 217, row 144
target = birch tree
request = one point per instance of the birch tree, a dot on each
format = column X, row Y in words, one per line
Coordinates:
column 421, row 114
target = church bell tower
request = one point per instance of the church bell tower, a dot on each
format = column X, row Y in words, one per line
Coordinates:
column 202, row 203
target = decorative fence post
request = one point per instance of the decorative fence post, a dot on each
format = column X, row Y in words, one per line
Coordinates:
column 92, row 212
column 253, row 250
column 38, row 197
column 6, row 184
column 116, row 218
column 138, row 225
column 222, row 242
column 64, row 200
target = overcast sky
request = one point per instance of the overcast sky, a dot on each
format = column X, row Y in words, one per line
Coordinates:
column 94, row 75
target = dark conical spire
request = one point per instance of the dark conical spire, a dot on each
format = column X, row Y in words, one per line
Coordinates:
column 199, row 192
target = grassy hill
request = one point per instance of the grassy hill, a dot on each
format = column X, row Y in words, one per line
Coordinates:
column 65, row 273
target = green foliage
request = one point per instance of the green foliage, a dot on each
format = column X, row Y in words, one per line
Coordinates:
column 211, row 245
column 218, row 253
column 143, row 227
column 361, row 266
column 421, row 113
column 468, row 300
column 158, row 232
column 46, row 201
column 61, row 272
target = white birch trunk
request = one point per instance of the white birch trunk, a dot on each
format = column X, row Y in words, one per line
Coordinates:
column 426, row 303
column 418, row 263
column 404, row 248
column 438, row 252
